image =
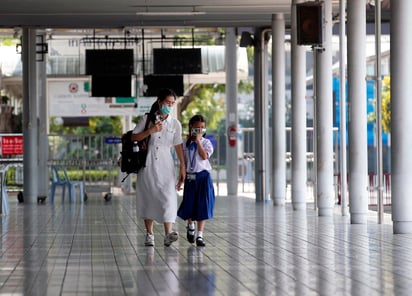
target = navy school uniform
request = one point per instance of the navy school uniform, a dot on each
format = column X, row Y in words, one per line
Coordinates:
column 198, row 198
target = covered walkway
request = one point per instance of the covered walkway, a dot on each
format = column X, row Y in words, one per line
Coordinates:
column 97, row 248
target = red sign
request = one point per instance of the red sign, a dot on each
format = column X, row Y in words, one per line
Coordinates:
column 11, row 145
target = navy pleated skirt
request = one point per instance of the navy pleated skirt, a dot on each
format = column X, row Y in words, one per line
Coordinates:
column 198, row 198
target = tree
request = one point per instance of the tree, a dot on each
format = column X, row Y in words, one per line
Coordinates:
column 208, row 100
column 386, row 104
column 201, row 100
column 97, row 125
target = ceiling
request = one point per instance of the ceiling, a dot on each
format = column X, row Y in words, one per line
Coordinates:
column 122, row 13
column 80, row 16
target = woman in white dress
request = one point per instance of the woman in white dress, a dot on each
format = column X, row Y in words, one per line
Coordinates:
column 156, row 197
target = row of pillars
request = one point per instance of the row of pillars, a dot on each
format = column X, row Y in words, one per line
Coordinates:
column 401, row 65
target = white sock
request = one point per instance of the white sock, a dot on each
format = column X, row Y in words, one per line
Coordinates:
column 200, row 234
column 191, row 226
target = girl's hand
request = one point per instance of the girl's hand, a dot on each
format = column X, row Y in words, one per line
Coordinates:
column 198, row 137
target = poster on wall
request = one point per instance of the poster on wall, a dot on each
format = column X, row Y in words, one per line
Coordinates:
column 11, row 144
column 72, row 98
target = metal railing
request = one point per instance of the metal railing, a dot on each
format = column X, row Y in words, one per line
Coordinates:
column 94, row 158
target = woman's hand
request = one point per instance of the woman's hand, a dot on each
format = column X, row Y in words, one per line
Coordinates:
column 182, row 170
column 182, row 176
column 157, row 127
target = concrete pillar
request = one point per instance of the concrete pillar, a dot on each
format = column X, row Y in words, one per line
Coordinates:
column 278, row 193
column 30, row 130
column 358, row 148
column 231, row 111
column 401, row 106
column 299, row 161
column 266, row 133
column 324, row 118
column 43, row 119
column 260, row 140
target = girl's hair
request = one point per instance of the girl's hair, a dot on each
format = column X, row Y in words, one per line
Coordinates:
column 162, row 95
column 195, row 118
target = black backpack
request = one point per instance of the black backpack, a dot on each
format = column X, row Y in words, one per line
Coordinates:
column 130, row 161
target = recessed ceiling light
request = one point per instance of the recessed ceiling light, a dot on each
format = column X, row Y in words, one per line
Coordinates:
column 169, row 13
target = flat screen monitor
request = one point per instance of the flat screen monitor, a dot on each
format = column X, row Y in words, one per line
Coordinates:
column 109, row 62
column 111, row 86
column 177, row 61
column 155, row 83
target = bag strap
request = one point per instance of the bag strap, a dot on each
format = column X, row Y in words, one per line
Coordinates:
column 147, row 121
column 146, row 126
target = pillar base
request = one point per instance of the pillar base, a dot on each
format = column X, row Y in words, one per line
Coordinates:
column 325, row 212
column 358, row 218
column 279, row 202
column 298, row 206
column 400, row 227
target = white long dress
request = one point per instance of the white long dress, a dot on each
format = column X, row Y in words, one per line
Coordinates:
column 156, row 196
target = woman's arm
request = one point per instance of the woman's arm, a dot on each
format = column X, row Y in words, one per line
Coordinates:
column 145, row 133
column 182, row 170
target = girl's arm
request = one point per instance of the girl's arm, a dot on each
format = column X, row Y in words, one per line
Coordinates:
column 202, row 152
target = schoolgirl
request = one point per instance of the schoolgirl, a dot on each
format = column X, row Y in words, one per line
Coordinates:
column 198, row 194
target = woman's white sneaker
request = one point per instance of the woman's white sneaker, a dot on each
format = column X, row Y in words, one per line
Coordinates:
column 149, row 241
column 170, row 238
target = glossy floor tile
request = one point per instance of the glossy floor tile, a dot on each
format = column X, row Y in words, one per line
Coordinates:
column 97, row 248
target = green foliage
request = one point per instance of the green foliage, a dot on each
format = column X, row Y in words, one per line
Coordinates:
column 386, row 104
column 5, row 99
column 371, row 117
column 204, row 102
column 9, row 41
column 250, row 54
column 209, row 100
column 91, row 175
column 182, row 38
column 97, row 125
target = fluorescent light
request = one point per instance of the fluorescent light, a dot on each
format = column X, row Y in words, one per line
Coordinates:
column 170, row 13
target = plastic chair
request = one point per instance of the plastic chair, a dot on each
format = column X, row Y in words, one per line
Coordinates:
column 60, row 178
column 72, row 187
column 57, row 180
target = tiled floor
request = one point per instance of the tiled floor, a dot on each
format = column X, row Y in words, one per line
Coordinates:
column 97, row 248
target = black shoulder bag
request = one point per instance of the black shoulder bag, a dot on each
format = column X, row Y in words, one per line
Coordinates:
column 134, row 153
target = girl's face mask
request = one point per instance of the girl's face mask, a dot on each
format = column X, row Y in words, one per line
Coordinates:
column 197, row 130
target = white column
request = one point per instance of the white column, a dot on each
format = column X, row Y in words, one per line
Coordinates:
column 231, row 112
column 43, row 119
column 260, row 141
column 324, row 118
column 342, row 104
column 299, row 161
column 278, row 111
column 266, row 134
column 401, row 103
column 30, row 144
column 358, row 147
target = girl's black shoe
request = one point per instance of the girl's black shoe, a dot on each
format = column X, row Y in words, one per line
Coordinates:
column 200, row 242
column 190, row 235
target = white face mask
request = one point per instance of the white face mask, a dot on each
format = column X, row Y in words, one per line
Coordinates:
column 198, row 130
column 165, row 109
